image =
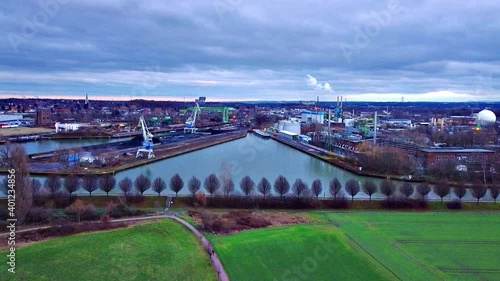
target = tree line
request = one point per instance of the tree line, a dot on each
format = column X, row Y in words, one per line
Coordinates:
column 54, row 185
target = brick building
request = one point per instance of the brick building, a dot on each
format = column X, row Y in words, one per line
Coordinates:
column 42, row 117
column 472, row 158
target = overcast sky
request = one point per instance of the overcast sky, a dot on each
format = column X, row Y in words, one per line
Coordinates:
column 251, row 49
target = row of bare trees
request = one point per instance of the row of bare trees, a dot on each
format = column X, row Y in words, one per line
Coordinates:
column 54, row 184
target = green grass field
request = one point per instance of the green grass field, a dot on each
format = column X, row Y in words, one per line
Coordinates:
column 162, row 250
column 429, row 246
column 297, row 252
column 369, row 246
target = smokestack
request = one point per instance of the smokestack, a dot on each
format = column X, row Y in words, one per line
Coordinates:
column 340, row 101
column 375, row 128
column 337, row 101
column 317, row 105
column 329, row 130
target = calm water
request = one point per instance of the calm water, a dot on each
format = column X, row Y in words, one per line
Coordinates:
column 253, row 156
column 51, row 145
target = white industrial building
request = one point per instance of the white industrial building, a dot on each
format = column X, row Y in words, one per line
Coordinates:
column 290, row 126
column 68, row 127
column 10, row 120
column 312, row 117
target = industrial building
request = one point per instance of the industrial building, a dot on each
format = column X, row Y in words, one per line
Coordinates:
column 312, row 117
column 288, row 125
column 288, row 135
column 10, row 120
column 470, row 157
column 68, row 127
column 42, row 117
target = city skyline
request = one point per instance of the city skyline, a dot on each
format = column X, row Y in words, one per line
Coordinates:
column 258, row 50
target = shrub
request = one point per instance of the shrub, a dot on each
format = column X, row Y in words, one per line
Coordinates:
column 110, row 206
column 3, row 214
column 454, row 205
column 201, row 199
column 120, row 210
column 89, row 213
column 62, row 201
column 105, row 218
column 338, row 203
column 77, row 208
column 40, row 215
column 403, row 203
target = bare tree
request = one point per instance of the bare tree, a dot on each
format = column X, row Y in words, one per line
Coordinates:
column 53, row 184
column 142, row 183
column 212, row 184
column 442, row 188
column 107, row 183
column 71, row 184
column 299, row 187
column 264, row 187
column 316, row 187
column 247, row 185
column 194, row 185
column 228, row 186
column 18, row 163
column 90, row 183
column 370, row 188
column 423, row 189
column 494, row 192
column 335, row 188
column 125, row 186
column 281, row 186
column 352, row 188
column 36, row 187
column 478, row 191
column 407, row 189
column 387, row 188
column 460, row 190
column 226, row 180
column 159, row 185
column 5, row 153
column 176, row 184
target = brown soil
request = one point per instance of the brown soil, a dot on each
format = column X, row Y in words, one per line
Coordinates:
column 235, row 221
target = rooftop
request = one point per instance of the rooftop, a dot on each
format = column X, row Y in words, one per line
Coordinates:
column 454, row 150
column 288, row 133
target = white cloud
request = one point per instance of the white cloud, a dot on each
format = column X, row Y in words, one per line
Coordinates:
column 313, row 82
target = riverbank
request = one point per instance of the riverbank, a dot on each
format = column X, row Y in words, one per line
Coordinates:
column 328, row 157
column 161, row 151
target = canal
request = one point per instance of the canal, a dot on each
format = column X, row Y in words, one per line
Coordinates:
column 252, row 156
column 46, row 145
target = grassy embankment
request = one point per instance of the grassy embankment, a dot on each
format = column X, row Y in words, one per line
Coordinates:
column 162, row 250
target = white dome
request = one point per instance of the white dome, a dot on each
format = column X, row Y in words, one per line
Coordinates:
column 486, row 116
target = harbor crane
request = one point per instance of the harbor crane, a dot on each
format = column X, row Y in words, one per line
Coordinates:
column 191, row 121
column 147, row 143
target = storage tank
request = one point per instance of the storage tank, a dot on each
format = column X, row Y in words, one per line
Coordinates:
column 486, row 117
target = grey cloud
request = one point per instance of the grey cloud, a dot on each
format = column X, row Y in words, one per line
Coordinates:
column 431, row 46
